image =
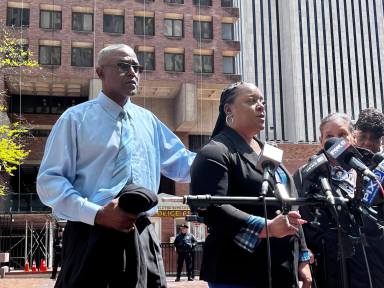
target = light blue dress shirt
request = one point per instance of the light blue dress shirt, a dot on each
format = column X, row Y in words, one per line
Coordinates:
column 82, row 148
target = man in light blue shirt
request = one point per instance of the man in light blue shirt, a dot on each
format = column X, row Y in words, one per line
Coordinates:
column 99, row 146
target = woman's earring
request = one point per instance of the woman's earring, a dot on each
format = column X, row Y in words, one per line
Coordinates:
column 229, row 119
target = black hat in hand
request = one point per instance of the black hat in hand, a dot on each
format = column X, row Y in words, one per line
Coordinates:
column 135, row 199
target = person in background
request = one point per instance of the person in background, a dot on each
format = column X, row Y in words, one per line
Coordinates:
column 321, row 232
column 235, row 251
column 94, row 150
column 369, row 130
column 57, row 249
column 184, row 243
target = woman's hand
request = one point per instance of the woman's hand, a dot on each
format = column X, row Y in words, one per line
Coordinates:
column 305, row 276
column 283, row 225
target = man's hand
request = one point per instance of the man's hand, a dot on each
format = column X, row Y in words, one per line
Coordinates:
column 305, row 276
column 112, row 216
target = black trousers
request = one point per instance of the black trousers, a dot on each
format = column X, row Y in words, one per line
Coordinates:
column 94, row 256
column 181, row 258
column 56, row 263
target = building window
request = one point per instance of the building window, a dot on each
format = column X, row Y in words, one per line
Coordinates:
column 227, row 31
column 82, row 57
column 173, row 28
column 203, row 63
column 146, row 59
column 202, row 30
column 18, row 17
column 43, row 104
column 202, row 2
column 114, row 23
column 82, row 22
column 229, row 65
column 174, row 1
column 174, row 62
column 144, row 25
column 49, row 55
column 226, row 3
column 50, row 19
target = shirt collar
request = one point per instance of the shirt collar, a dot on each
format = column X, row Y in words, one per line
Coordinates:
column 111, row 107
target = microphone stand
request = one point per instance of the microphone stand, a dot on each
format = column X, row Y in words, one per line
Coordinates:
column 264, row 190
column 203, row 201
column 340, row 245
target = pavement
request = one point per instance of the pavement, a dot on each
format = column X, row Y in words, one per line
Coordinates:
column 46, row 282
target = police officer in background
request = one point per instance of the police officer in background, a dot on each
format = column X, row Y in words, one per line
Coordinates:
column 58, row 247
column 184, row 243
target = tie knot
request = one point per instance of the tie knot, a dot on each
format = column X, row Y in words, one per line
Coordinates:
column 123, row 115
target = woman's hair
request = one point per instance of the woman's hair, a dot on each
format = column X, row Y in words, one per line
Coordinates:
column 227, row 96
column 336, row 116
column 371, row 120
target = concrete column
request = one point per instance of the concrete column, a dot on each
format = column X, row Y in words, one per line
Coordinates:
column 185, row 109
column 94, row 88
column 291, row 71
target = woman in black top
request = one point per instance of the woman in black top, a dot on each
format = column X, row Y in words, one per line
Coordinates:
column 235, row 253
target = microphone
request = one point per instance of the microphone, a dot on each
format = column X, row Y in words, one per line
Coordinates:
column 318, row 171
column 347, row 156
column 269, row 159
column 372, row 187
column 280, row 192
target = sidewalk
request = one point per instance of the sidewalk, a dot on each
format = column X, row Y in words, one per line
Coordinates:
column 48, row 283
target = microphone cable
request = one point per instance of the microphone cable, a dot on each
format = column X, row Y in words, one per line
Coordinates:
column 365, row 259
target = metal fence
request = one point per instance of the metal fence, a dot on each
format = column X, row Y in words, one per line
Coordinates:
column 168, row 251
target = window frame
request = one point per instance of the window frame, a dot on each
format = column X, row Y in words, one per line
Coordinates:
column 49, row 64
column 82, row 56
column 198, row 3
column 19, row 14
column 143, row 62
column 233, row 65
column 232, row 31
column 174, row 2
column 199, row 36
column 225, row 6
column 173, row 28
column 51, row 20
column 173, row 61
column 114, row 32
column 143, row 18
column 202, row 57
column 82, row 24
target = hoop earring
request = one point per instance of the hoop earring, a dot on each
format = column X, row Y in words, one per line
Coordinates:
column 229, row 119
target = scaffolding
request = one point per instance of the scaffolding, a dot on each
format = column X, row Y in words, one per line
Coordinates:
column 27, row 237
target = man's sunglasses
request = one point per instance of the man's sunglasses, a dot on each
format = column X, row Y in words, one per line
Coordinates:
column 125, row 67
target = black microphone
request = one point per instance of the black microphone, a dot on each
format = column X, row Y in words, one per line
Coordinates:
column 269, row 159
column 318, row 171
column 347, row 156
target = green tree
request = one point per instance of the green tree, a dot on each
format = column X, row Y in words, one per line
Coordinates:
column 14, row 59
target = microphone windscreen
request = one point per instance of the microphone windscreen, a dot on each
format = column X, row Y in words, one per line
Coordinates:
column 330, row 142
